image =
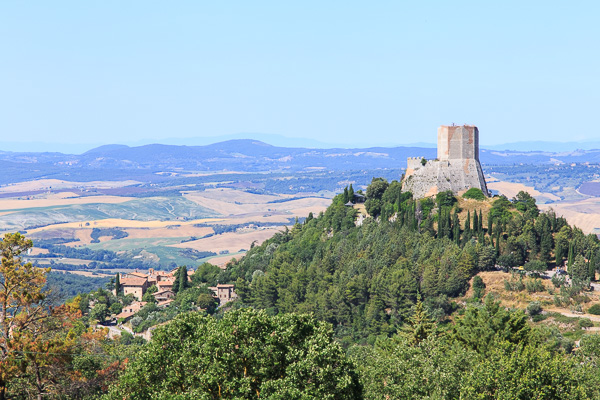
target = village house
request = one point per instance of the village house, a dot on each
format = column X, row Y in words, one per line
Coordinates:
column 130, row 310
column 224, row 293
column 164, row 295
column 135, row 285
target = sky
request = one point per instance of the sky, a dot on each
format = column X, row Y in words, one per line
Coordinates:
column 349, row 73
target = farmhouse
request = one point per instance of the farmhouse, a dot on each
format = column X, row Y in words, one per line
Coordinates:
column 131, row 284
column 224, row 293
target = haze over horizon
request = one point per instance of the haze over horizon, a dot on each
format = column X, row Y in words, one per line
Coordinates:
column 341, row 74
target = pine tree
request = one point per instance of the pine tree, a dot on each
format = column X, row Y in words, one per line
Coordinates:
column 421, row 326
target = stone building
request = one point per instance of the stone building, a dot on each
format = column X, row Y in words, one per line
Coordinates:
column 131, row 284
column 224, row 293
column 456, row 168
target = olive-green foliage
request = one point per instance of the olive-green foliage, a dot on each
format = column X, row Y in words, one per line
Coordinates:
column 206, row 273
column 536, row 266
column 527, row 372
column 474, row 193
column 395, row 369
column 245, row 355
column 478, row 287
column 375, row 193
column 445, row 199
column 594, row 309
column 483, row 324
column 508, row 361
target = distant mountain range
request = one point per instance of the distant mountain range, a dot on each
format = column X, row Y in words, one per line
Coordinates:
column 243, row 155
column 283, row 141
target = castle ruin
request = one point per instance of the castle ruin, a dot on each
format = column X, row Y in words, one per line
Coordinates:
column 456, row 168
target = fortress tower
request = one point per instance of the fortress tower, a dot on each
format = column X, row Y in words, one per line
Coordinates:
column 457, row 167
column 458, row 143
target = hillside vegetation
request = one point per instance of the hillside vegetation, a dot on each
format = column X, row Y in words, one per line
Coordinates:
column 365, row 279
column 338, row 308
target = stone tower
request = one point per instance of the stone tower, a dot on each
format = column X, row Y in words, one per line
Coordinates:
column 457, row 167
column 458, row 143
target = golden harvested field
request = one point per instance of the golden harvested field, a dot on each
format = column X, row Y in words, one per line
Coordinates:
column 222, row 261
column 85, row 273
column 232, row 241
column 510, row 190
column 584, row 214
column 236, row 202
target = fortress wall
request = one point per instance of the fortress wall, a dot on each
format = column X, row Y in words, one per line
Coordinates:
column 414, row 162
column 457, row 168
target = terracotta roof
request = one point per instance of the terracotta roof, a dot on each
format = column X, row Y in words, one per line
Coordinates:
column 131, row 309
column 133, row 281
column 163, row 285
column 224, row 286
column 125, row 315
column 164, row 291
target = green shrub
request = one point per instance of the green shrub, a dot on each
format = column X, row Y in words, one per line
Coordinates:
column 474, row 193
column 534, row 308
column 585, row 323
column 534, row 285
column 539, row 317
column 595, row 309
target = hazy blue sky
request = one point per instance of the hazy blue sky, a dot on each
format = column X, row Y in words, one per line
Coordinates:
column 381, row 72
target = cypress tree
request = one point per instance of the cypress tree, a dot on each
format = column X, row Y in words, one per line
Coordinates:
column 117, row 284
column 183, row 282
column 475, row 222
column 456, row 227
column 558, row 250
column 351, row 193
column 570, row 259
column 468, row 222
column 449, row 225
column 345, row 194
column 591, row 269
column 497, row 242
column 480, row 222
column 490, row 224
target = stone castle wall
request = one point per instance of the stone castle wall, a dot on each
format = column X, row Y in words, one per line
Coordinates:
column 457, row 167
